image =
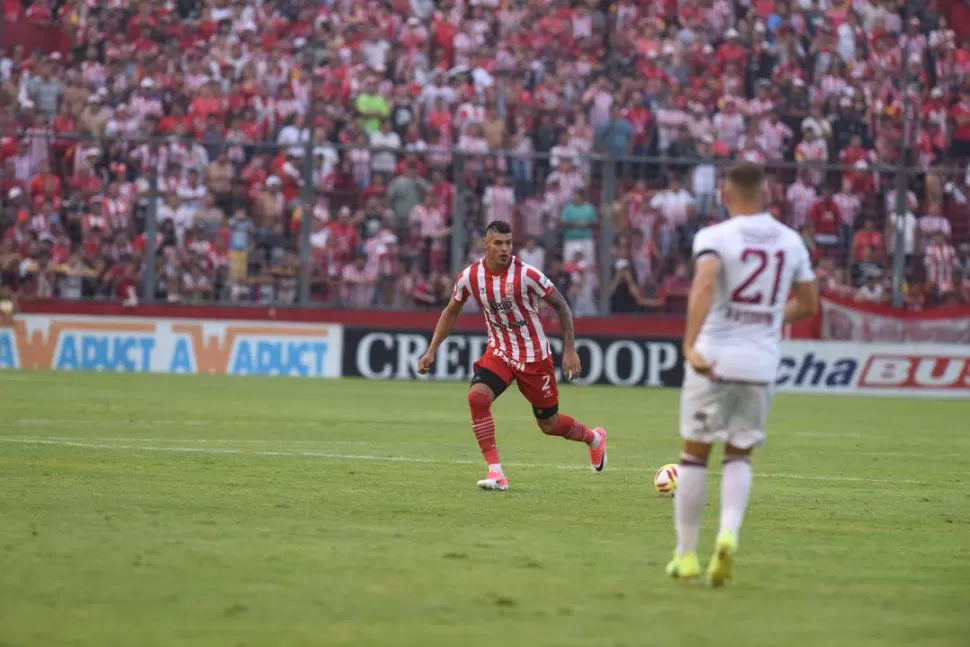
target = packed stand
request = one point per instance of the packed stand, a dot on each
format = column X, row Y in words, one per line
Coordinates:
column 570, row 119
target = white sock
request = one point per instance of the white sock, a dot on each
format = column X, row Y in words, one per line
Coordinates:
column 689, row 506
column 597, row 439
column 497, row 468
column 735, row 489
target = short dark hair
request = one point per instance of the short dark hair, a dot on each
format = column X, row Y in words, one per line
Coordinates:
column 748, row 177
column 498, row 227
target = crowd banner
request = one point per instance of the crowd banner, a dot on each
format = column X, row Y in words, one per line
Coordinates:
column 901, row 370
column 846, row 320
column 191, row 346
column 378, row 353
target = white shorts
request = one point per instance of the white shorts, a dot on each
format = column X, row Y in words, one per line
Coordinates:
column 718, row 411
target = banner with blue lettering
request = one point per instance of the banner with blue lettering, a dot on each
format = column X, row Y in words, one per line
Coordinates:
column 139, row 345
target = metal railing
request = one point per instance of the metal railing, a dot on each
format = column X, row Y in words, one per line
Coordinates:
column 226, row 221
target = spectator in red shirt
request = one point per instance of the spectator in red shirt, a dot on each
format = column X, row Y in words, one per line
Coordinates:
column 960, row 114
column 826, row 218
column 45, row 183
column 85, row 184
column 868, row 248
column 731, row 51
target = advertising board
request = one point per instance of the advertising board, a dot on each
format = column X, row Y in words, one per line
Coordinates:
column 217, row 346
column 143, row 345
column 381, row 354
column 908, row 370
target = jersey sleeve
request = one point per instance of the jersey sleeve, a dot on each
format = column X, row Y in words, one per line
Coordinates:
column 462, row 289
column 539, row 282
column 803, row 270
column 706, row 242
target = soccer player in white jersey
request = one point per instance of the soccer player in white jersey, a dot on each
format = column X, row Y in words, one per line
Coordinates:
column 745, row 268
column 509, row 293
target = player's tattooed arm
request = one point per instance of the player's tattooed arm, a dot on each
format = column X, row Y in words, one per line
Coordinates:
column 571, row 367
column 558, row 303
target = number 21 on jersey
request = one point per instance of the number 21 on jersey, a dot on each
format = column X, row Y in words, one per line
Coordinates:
column 762, row 279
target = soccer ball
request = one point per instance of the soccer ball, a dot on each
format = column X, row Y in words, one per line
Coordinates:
column 665, row 480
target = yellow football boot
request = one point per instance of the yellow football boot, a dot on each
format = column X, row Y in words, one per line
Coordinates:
column 684, row 567
column 719, row 570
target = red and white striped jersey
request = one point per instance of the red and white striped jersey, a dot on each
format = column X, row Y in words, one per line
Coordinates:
column 117, row 211
column 800, row 196
column 833, row 86
column 499, row 203
column 358, row 287
column 510, row 302
column 429, row 220
column 932, row 224
column 940, row 261
column 849, row 205
column 757, row 108
column 469, row 113
column 773, row 137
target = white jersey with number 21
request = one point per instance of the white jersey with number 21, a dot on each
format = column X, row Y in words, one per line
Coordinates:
column 760, row 260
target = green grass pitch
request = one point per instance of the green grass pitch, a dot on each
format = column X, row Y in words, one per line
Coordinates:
column 156, row 510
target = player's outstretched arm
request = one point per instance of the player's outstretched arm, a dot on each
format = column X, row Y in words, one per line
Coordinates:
column 446, row 323
column 805, row 303
column 571, row 367
column 699, row 302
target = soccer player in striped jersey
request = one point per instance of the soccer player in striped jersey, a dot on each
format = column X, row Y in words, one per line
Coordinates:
column 508, row 292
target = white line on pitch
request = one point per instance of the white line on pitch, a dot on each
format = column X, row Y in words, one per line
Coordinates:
column 25, row 422
column 394, row 459
column 32, row 422
column 201, row 441
column 298, row 442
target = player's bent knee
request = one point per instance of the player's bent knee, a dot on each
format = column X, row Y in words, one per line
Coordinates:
column 479, row 400
column 546, row 416
column 483, row 390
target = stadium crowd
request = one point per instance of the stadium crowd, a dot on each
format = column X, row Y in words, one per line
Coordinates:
column 430, row 118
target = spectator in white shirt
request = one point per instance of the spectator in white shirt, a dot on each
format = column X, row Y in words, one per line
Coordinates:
column 673, row 204
column 384, row 161
column 375, row 50
column 703, row 182
column 872, row 291
column 908, row 227
column 192, row 192
column 499, row 200
column 775, row 135
column 437, row 90
column 181, row 217
column 295, row 132
column 800, row 197
column 325, row 159
column 562, row 150
column 533, row 254
column 729, row 125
